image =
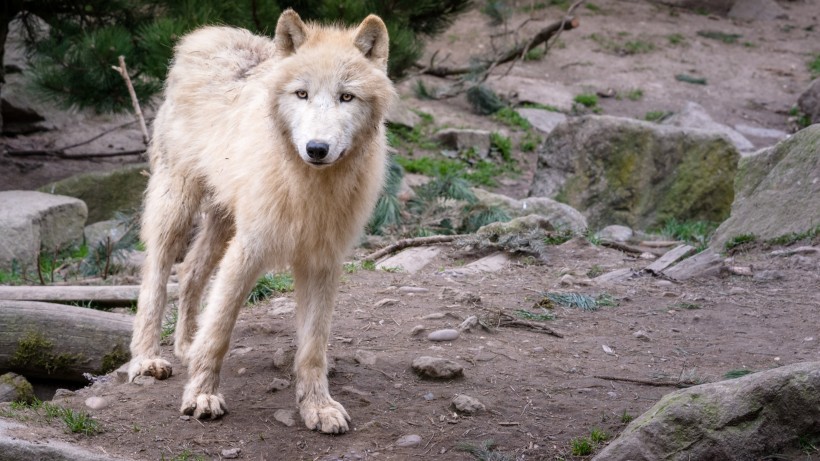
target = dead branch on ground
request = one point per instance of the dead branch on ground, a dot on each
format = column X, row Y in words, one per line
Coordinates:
column 646, row 382
column 507, row 320
column 410, row 242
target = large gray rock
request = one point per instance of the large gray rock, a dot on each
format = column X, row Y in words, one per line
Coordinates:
column 105, row 193
column 624, row 171
column 543, row 120
column 693, row 115
column 18, row 442
column 777, row 190
column 560, row 215
column 809, row 101
column 741, row 419
column 712, row 6
column 400, row 114
column 464, row 139
column 536, row 90
column 757, row 10
column 31, row 222
column 15, row 388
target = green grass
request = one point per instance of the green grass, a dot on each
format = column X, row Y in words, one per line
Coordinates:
column 638, row 47
column 399, row 136
column 814, row 65
column 676, row 39
column 598, row 436
column 685, row 78
column 578, row 300
column 622, row 47
column 538, row 105
column 626, row 418
column 594, row 271
column 719, row 36
column 186, row 455
column 76, row 422
column 502, row 145
column 350, row 268
column 739, row 241
column 656, row 115
column 80, row 422
column 482, row 172
column 794, row 237
column 732, row 374
column 801, row 119
column 544, row 316
column 635, row 94
column 510, row 117
column 169, row 324
column 535, row 54
column 685, row 305
column 593, row 7
column 484, row 451
column 369, row 265
column 529, row 142
column 270, row 285
column 581, row 446
column 695, row 233
column 587, row 99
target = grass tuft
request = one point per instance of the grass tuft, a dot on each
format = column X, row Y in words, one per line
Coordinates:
column 739, row 241
column 732, row 374
column 270, row 285
column 581, row 446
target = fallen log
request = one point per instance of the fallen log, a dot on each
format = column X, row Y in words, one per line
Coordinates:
column 57, row 341
column 117, row 295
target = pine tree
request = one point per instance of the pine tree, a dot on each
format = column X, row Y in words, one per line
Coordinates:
column 72, row 63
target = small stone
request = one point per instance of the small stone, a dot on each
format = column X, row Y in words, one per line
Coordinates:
column 143, row 380
column 278, row 384
column 770, row 275
column 364, row 357
column 184, row 417
column 648, row 256
column 417, row 329
column 567, row 280
column 437, row 368
column 231, row 453
column 615, row 233
column 434, row 316
column 282, row 306
column 429, row 396
column 241, row 371
column 443, row 335
column 241, row 350
column 62, row 393
column 641, row 335
column 280, row 359
column 538, row 349
column 285, row 417
column 459, row 296
column 411, row 440
column 386, row 302
column 468, row 323
column 664, row 283
column 413, row 290
column 96, row 403
column 736, row 291
column 670, row 294
column 467, row 404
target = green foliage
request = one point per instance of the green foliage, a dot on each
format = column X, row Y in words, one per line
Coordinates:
column 657, row 116
column 484, row 451
column 801, row 119
column 686, row 78
column 535, row 54
column 635, row 94
column 369, row 265
column 732, row 374
column 72, row 64
column 538, row 105
column 598, row 435
column 581, row 446
column 529, row 142
column 269, row 285
column 587, row 99
column 626, row 418
column 558, row 237
column 814, row 66
column 501, row 145
column 80, row 422
column 169, row 324
column 544, row 316
column 388, row 208
column 35, row 350
column 595, row 271
column 739, row 241
column 794, row 237
column 476, row 216
column 483, row 100
column 719, row 36
column 686, row 305
column 676, row 39
column 620, row 46
column 186, row 455
column 696, row 233
column 498, row 11
column 578, row 300
column 510, row 117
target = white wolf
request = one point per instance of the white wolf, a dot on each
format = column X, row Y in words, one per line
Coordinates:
column 280, row 145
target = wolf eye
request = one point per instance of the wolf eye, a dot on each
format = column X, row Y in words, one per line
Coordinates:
column 301, row 94
column 346, row 97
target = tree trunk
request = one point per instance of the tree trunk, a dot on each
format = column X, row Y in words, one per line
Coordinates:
column 56, row 341
column 116, row 295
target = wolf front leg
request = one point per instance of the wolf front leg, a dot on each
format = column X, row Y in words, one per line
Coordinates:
column 315, row 296
column 237, row 274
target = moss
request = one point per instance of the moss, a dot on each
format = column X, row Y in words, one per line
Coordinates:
column 112, row 360
column 35, row 351
column 23, row 391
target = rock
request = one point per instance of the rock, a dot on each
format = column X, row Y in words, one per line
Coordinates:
column 399, row 113
column 744, row 418
column 669, row 258
column 641, row 335
column 777, row 191
column 231, row 453
column 278, row 384
column 543, row 120
column 102, row 231
column 413, row 290
column 437, row 368
column 33, row 222
column 411, row 440
column 467, row 404
column 567, row 280
column 61, row 393
column 143, row 380
column 429, row 396
column 417, row 329
column 554, row 215
column 694, row 116
column 286, row 417
column 757, row 10
column 809, row 101
column 462, row 140
column 411, row 260
column 105, row 193
column 282, row 306
column 764, row 133
column 492, row 263
column 14, row 447
column 443, row 335
column 536, row 90
column 96, row 403
column 615, row 233
column 364, row 357
column 769, row 276
column 15, row 388
column 704, row 264
column 456, row 295
column 618, row 275
column 712, row 6
column 386, row 302
column 468, row 323
column 281, row 359
column 624, row 171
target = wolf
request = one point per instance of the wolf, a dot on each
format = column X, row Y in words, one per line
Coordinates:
column 278, row 146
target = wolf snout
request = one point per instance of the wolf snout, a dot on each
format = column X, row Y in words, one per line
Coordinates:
column 317, row 150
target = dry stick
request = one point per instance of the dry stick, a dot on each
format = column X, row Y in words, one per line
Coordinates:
column 63, row 155
column 627, row 248
column 411, row 242
column 124, row 73
column 506, row 320
column 646, row 382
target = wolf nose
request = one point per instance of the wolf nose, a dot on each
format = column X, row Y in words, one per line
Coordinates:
column 317, row 150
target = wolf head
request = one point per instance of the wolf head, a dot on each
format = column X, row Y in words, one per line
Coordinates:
column 332, row 89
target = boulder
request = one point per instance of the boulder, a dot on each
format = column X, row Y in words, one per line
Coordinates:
column 777, row 190
column 543, row 120
column 105, row 193
column 462, row 140
column 757, row 10
column 559, row 215
column 99, row 232
column 712, row 6
column 15, row 388
column 693, row 115
column 31, row 222
column 535, row 90
column 639, row 174
column 400, row 114
column 809, row 101
column 615, row 233
column 751, row 417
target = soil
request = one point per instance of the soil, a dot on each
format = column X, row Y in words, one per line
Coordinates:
column 540, row 391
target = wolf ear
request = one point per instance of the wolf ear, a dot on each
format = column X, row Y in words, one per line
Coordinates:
column 371, row 39
column 290, row 34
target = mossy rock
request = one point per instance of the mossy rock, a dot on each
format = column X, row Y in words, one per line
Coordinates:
column 777, row 191
column 15, row 388
column 624, row 171
column 105, row 193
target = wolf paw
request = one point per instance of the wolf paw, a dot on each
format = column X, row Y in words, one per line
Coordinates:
column 328, row 416
column 204, row 406
column 156, row 367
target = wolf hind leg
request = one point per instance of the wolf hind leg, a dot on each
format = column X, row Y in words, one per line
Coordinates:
column 170, row 204
column 207, row 250
column 315, row 298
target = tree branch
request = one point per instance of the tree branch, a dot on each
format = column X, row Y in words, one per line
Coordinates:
column 134, row 101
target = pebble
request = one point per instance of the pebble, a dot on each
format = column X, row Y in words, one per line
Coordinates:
column 278, row 384
column 447, row 334
column 468, row 323
column 364, row 357
column 96, row 403
column 280, row 359
column 241, row 371
column 241, row 350
column 736, row 291
column 386, row 302
column 62, row 393
column 467, row 404
column 664, row 283
column 429, row 396
column 417, row 329
column 143, row 380
column 285, row 417
column 413, row 290
column 538, row 349
column 231, row 453
column 641, row 335
column 648, row 256
column 567, row 280
column 770, row 275
column 282, row 306
column 437, row 368
column 670, row 294
column 411, row 440
column 434, row 316
column 184, row 417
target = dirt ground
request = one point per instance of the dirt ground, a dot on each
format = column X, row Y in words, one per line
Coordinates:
column 540, row 391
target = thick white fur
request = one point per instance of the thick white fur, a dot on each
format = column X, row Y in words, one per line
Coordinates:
column 229, row 142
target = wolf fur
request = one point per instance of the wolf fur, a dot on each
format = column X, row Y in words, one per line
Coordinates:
column 232, row 142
